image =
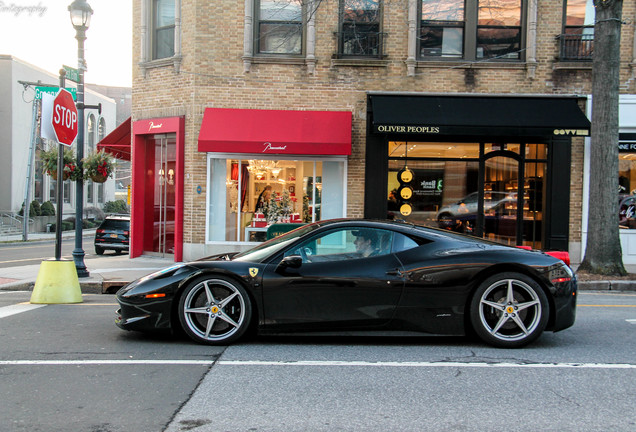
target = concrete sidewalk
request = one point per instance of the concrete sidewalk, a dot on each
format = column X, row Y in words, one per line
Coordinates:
column 109, row 272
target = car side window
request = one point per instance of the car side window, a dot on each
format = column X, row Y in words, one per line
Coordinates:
column 348, row 243
column 402, row 243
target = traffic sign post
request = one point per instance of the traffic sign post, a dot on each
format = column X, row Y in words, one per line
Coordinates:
column 64, row 118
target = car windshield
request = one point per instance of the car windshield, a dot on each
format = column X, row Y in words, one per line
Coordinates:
column 274, row 245
column 114, row 224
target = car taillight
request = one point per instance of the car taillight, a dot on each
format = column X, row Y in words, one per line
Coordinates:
column 100, row 231
column 126, row 233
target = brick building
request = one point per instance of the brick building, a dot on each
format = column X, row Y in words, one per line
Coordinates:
column 328, row 101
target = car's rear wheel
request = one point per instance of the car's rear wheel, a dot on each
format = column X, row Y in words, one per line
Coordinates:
column 509, row 310
column 99, row 251
column 215, row 310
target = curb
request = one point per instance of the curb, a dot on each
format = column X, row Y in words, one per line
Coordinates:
column 617, row 285
column 87, row 287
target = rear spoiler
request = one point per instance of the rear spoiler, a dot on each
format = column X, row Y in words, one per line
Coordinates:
column 562, row 255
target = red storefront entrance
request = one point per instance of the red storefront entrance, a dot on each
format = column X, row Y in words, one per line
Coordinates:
column 157, row 195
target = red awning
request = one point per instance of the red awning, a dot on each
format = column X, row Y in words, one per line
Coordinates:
column 275, row 132
column 117, row 142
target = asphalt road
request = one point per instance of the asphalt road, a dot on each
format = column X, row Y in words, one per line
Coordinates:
column 68, row 368
column 34, row 252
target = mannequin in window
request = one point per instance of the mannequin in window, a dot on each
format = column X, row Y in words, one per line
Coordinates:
column 263, row 198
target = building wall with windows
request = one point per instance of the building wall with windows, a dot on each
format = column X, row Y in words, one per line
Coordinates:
column 16, row 106
column 330, row 55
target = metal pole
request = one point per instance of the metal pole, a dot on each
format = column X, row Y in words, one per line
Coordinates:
column 78, row 252
column 59, row 189
column 29, row 175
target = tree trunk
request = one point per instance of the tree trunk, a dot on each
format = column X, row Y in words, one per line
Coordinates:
column 603, row 253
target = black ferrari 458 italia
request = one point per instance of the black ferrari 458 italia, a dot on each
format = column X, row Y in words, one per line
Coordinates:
column 359, row 277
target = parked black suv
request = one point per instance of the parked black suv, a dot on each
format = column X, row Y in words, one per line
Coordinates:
column 114, row 234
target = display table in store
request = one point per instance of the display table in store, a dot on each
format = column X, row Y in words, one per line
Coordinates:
column 254, row 233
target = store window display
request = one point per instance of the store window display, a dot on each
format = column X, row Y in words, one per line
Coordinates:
column 446, row 190
column 247, row 197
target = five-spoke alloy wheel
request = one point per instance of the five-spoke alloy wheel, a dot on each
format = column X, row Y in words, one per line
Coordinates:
column 215, row 310
column 509, row 310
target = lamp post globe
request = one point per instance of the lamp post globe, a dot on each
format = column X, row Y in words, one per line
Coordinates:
column 81, row 13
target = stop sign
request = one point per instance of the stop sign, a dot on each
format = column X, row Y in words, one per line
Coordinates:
column 64, row 117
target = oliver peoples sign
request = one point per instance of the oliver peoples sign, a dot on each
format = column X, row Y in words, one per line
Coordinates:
column 407, row 129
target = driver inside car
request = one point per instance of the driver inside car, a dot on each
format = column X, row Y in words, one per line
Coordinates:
column 366, row 242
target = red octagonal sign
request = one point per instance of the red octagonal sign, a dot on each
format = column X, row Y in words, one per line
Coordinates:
column 64, row 117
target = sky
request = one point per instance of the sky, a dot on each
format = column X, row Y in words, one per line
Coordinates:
column 40, row 32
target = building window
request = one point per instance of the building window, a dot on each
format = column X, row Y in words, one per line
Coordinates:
column 577, row 40
column 247, row 196
column 360, row 28
column 163, row 26
column 90, row 133
column 160, row 34
column 442, row 30
column 100, row 193
column 279, row 28
column 90, row 147
column 101, row 130
column 471, row 29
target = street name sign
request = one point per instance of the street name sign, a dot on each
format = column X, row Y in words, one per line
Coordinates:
column 72, row 74
column 53, row 91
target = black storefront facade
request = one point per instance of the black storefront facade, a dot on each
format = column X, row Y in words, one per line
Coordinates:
column 495, row 166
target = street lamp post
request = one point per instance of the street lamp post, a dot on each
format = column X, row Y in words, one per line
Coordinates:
column 80, row 17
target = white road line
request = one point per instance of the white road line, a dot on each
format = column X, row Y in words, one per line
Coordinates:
column 314, row 363
column 427, row 364
column 631, row 321
column 104, row 362
column 18, row 308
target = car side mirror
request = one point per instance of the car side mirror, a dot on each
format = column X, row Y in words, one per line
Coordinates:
column 292, row 261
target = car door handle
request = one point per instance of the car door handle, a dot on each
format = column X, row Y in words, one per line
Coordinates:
column 394, row 272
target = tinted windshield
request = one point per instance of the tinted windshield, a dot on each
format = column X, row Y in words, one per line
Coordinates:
column 115, row 224
column 274, row 245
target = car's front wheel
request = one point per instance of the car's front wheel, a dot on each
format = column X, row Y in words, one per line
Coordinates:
column 509, row 310
column 215, row 310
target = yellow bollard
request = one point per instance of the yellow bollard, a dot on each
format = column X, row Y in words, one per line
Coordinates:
column 57, row 282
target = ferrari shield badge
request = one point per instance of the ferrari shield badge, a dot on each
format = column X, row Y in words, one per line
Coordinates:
column 253, row 271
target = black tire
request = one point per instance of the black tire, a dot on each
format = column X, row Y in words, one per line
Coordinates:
column 509, row 310
column 215, row 310
column 99, row 251
column 118, row 251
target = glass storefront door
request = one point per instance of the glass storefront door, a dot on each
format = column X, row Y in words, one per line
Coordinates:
column 161, row 164
column 500, row 200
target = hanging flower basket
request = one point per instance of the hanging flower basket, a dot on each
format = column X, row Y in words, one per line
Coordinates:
column 99, row 166
column 99, row 178
column 65, row 175
column 49, row 162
